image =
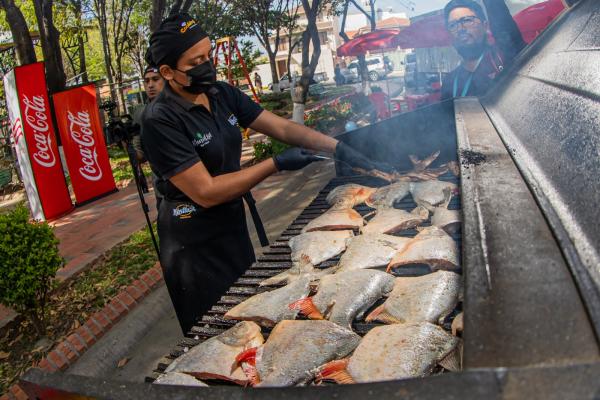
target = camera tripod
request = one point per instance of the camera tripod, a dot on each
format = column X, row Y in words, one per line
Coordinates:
column 140, row 191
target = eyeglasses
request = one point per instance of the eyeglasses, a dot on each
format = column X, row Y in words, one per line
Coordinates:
column 467, row 22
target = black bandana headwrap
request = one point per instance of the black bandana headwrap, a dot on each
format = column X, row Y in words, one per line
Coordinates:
column 175, row 35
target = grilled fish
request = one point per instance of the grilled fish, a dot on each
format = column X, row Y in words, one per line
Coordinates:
column 294, row 350
column 386, row 196
column 395, row 352
column 269, row 308
column 215, row 357
column 350, row 195
column 431, row 192
column 432, row 246
column 345, row 296
column 316, row 247
column 448, row 220
column 297, row 271
column 415, row 299
column 458, row 325
column 371, row 250
column 178, row 378
column 392, row 220
column 340, row 217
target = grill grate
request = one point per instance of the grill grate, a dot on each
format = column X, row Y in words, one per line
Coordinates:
column 277, row 259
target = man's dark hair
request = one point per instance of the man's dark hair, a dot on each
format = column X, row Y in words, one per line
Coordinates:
column 470, row 4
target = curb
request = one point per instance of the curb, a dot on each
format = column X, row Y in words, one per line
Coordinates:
column 72, row 348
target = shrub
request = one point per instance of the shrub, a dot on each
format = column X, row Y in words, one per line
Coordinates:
column 270, row 148
column 29, row 259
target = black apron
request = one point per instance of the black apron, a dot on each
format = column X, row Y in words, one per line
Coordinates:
column 203, row 252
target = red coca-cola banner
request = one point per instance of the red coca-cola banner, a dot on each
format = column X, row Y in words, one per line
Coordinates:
column 80, row 130
column 39, row 159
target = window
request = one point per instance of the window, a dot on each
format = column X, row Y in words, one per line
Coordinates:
column 283, row 45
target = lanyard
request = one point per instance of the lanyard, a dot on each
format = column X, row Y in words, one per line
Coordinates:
column 468, row 82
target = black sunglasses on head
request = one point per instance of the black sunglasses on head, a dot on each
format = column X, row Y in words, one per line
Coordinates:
column 467, row 22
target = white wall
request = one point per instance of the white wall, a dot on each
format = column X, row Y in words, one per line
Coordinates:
column 264, row 70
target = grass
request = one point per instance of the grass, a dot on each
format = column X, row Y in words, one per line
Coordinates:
column 121, row 168
column 71, row 305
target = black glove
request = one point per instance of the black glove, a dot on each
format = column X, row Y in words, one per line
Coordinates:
column 293, row 159
column 355, row 159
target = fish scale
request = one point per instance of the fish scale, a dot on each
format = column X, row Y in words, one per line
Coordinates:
column 212, row 323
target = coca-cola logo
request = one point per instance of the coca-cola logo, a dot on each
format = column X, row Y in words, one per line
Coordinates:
column 37, row 119
column 82, row 134
column 16, row 131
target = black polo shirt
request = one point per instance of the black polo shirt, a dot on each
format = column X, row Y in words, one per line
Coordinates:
column 177, row 134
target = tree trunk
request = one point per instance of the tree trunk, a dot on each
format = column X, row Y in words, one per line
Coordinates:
column 50, row 38
column 20, row 32
column 309, row 62
column 158, row 10
column 82, row 64
column 107, row 65
column 274, row 76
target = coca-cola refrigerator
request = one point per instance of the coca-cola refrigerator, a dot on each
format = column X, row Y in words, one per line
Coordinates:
column 83, row 143
column 34, row 140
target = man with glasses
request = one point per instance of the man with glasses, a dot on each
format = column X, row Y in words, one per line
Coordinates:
column 482, row 61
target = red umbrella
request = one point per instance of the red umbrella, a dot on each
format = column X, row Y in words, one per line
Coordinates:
column 534, row 19
column 425, row 31
column 380, row 40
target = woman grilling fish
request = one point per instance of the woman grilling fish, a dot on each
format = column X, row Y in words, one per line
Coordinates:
column 191, row 135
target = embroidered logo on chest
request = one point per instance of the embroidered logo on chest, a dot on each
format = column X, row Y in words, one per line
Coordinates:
column 202, row 139
column 232, row 120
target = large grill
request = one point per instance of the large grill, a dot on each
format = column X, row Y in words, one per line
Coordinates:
column 530, row 241
column 277, row 259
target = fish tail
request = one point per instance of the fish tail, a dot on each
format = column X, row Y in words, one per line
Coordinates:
column 380, row 314
column 247, row 356
column 335, row 371
column 306, row 307
column 251, row 373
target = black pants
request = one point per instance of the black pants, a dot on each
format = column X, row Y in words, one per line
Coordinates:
column 203, row 252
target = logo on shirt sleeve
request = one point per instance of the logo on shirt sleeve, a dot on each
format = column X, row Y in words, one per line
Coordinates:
column 202, row 139
column 232, row 120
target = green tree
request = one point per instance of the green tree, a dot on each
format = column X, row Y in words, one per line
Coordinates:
column 20, row 31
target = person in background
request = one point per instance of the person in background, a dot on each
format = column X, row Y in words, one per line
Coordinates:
column 153, row 85
column 482, row 61
column 258, row 83
column 337, row 75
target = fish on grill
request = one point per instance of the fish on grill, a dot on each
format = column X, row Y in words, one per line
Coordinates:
column 310, row 249
column 316, row 247
column 297, row 271
column 371, row 250
column 269, row 308
column 337, row 218
column 344, row 296
column 178, row 378
column 415, row 299
column 448, row 220
column 420, row 171
column 386, row 196
column 392, row 220
column 431, row 192
column 294, row 350
column 395, row 352
column 350, row 195
column 431, row 246
column 215, row 357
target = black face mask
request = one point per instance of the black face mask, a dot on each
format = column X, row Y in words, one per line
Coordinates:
column 471, row 51
column 201, row 77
